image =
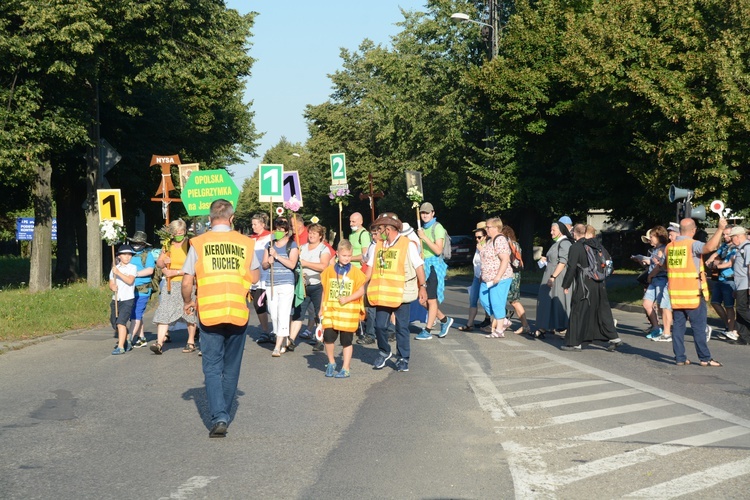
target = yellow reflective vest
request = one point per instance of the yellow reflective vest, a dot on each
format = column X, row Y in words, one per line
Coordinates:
column 222, row 273
column 686, row 283
column 344, row 318
column 393, row 280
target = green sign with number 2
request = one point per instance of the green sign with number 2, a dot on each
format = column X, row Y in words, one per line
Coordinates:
column 338, row 168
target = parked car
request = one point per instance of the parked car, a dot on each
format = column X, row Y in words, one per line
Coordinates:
column 462, row 249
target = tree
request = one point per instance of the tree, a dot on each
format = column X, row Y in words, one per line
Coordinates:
column 131, row 67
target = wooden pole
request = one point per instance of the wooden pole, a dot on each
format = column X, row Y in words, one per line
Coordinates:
column 341, row 232
column 114, row 263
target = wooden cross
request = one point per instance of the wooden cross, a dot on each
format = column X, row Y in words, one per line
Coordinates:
column 166, row 185
column 371, row 197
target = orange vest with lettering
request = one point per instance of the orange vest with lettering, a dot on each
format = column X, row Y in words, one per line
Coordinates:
column 223, row 276
column 686, row 283
column 388, row 278
column 344, row 318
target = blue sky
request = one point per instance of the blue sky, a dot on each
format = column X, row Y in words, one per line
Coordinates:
column 296, row 44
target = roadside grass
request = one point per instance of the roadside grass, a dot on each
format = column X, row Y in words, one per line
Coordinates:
column 24, row 315
column 67, row 307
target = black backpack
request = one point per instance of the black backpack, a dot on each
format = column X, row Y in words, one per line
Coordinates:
column 599, row 263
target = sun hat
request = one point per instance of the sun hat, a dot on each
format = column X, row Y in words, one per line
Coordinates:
column 646, row 239
column 481, row 225
column 737, row 231
column 388, row 219
column 139, row 237
column 406, row 229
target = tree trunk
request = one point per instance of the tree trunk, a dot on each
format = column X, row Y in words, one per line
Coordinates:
column 94, row 270
column 40, row 276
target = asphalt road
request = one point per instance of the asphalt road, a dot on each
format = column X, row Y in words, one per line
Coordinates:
column 473, row 418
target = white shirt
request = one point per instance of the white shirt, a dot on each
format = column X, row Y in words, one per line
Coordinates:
column 124, row 291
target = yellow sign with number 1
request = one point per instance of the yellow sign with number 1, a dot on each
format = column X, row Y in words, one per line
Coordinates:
column 110, row 204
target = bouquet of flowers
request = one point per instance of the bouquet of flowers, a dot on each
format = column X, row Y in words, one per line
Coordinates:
column 112, row 232
column 293, row 204
column 340, row 195
column 415, row 195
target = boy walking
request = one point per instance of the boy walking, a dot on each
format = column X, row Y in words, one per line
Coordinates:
column 342, row 307
column 121, row 282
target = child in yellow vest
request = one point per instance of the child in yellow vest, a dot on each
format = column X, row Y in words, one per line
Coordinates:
column 342, row 307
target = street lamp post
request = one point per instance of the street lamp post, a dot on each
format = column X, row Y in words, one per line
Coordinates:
column 492, row 26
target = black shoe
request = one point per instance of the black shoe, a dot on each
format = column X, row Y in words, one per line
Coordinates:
column 263, row 339
column 484, row 323
column 318, row 347
column 219, row 430
column 366, row 340
column 290, row 347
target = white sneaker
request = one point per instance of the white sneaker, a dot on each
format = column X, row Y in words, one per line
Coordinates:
column 708, row 333
column 732, row 335
column 663, row 338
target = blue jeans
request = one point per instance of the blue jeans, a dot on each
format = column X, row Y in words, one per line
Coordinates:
column 698, row 318
column 222, row 347
column 383, row 319
column 474, row 292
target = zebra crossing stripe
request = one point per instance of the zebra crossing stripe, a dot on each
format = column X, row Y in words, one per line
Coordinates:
column 632, row 429
column 555, row 388
column 607, row 412
column 641, row 455
column 692, row 483
column 576, row 399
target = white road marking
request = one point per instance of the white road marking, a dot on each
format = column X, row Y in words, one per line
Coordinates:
column 189, row 487
column 695, row 482
column 554, row 388
column 607, row 412
column 485, row 391
column 529, row 472
column 696, row 405
column 649, row 425
column 532, row 368
column 577, row 399
column 622, row 460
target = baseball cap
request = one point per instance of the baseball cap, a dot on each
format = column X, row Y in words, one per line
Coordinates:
column 427, row 207
column 673, row 226
column 125, row 249
column 737, row 231
column 565, row 220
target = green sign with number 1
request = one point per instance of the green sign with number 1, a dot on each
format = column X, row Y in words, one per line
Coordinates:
column 338, row 168
column 270, row 186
